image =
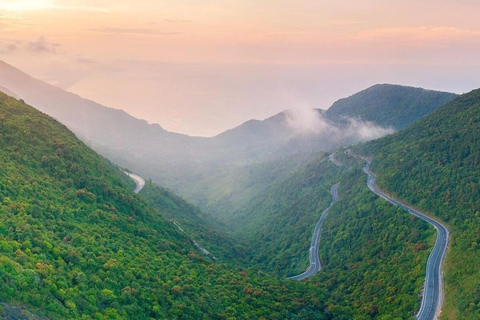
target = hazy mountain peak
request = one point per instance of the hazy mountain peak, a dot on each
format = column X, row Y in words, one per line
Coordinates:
column 389, row 105
column 174, row 159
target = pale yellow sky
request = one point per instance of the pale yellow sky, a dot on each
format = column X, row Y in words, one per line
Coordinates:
column 203, row 66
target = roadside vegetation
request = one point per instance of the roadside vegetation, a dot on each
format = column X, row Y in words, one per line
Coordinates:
column 374, row 254
column 434, row 165
column 75, row 241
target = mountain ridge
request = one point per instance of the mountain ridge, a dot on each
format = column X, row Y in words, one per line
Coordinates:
column 433, row 165
column 200, row 168
column 398, row 105
column 76, row 242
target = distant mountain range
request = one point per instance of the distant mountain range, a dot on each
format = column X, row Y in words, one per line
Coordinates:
column 175, row 160
column 74, row 239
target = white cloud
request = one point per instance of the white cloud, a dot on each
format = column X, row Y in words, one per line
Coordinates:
column 365, row 130
column 305, row 121
column 310, row 121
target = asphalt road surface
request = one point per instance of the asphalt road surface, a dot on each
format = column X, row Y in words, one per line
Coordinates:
column 432, row 300
column 315, row 264
column 139, row 181
column 332, row 158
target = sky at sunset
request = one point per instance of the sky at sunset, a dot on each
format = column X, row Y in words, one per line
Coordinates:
column 203, row 66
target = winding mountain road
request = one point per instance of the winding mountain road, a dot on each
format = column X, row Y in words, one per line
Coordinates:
column 315, row 264
column 432, row 300
column 331, row 157
column 139, row 181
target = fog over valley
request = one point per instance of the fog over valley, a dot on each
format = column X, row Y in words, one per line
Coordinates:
column 245, row 159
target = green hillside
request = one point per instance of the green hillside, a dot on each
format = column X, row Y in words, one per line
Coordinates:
column 210, row 172
column 373, row 253
column 197, row 225
column 389, row 105
column 75, row 242
column 228, row 190
column 434, row 165
column 224, row 193
column 278, row 223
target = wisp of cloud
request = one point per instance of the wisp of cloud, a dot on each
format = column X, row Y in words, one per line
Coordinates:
column 306, row 121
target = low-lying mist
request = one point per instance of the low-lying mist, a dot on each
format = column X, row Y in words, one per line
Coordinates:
column 305, row 121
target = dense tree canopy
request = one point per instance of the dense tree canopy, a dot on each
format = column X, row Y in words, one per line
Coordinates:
column 389, row 105
column 434, row 165
column 76, row 242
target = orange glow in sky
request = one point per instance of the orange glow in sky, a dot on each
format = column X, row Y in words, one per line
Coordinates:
column 203, row 66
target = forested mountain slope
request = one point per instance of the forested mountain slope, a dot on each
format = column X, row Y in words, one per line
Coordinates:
column 76, row 242
column 175, row 160
column 389, row 105
column 435, row 165
column 197, row 225
column 186, row 164
column 373, row 253
column 228, row 189
column 278, row 223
